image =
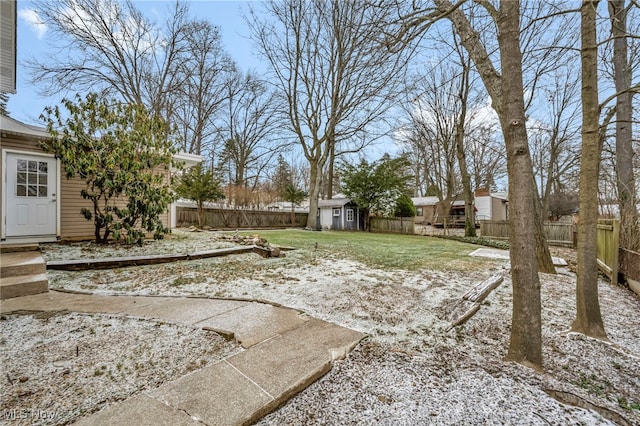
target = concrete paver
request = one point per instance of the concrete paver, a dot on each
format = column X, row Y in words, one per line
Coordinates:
column 492, row 253
column 140, row 410
column 185, row 310
column 320, row 335
column 216, row 395
column 285, row 351
column 282, row 367
column 59, row 301
column 255, row 322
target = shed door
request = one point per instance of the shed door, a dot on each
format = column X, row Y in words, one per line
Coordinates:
column 336, row 214
column 30, row 195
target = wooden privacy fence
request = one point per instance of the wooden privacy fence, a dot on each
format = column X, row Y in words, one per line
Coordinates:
column 612, row 259
column 398, row 225
column 238, row 218
column 558, row 233
column 608, row 248
column 630, row 268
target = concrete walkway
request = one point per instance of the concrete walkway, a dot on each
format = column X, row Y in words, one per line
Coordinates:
column 284, row 352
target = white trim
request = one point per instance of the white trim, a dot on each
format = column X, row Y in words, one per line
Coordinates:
column 188, row 160
column 14, row 127
column 335, row 210
column 6, row 151
column 350, row 210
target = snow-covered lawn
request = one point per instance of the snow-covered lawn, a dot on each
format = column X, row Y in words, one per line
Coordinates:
column 410, row 370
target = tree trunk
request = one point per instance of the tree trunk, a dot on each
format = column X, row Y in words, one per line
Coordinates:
column 469, row 213
column 588, row 318
column 200, row 214
column 629, row 220
column 525, row 344
column 543, row 255
column 332, row 156
column 507, row 95
column 315, row 181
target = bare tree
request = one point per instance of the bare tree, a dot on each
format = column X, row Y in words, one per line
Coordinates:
column 588, row 318
column 249, row 129
column 507, row 94
column 206, row 72
column 121, row 52
column 463, row 96
column 554, row 143
column 626, row 184
column 484, row 149
column 332, row 78
column 432, row 131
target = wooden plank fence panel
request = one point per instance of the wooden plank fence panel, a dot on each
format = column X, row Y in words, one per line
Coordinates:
column 239, row 218
column 403, row 225
column 495, row 229
column 611, row 258
column 558, row 233
column 630, row 263
column 608, row 234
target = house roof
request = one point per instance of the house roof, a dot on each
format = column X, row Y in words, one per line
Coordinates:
column 188, row 160
column 500, row 195
column 14, row 127
column 424, row 201
column 338, row 200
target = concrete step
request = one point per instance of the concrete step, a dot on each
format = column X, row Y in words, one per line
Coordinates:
column 21, row 263
column 18, row 247
column 23, row 285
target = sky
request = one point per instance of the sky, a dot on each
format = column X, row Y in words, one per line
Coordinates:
column 32, row 42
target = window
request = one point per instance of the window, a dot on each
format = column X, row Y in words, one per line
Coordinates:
column 31, row 178
column 419, row 211
column 349, row 215
column 336, row 211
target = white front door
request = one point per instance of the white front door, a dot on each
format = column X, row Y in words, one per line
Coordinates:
column 30, row 195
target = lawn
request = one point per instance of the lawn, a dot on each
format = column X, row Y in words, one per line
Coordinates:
column 402, row 292
column 383, row 251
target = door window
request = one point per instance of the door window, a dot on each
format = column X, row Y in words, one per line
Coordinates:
column 31, row 178
column 349, row 215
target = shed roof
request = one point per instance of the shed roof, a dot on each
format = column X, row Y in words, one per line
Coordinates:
column 338, row 200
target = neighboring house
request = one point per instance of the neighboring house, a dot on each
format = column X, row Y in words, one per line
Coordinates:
column 285, row 206
column 38, row 203
column 487, row 206
column 425, row 209
column 340, row 213
column 491, row 206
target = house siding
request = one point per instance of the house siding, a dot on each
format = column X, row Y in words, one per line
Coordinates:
column 499, row 209
column 484, row 206
column 73, row 226
column 8, row 25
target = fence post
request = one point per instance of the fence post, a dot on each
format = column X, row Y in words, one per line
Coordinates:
column 616, row 252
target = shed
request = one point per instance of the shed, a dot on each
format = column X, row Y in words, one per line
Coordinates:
column 37, row 202
column 340, row 213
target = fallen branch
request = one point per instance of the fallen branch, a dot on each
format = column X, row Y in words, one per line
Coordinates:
column 481, row 291
column 461, row 320
column 577, row 401
column 476, row 295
